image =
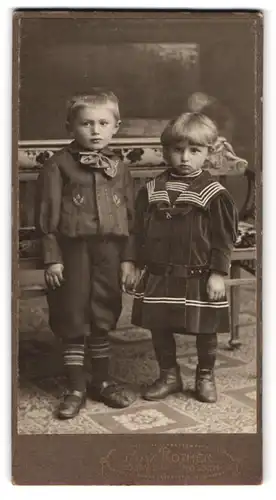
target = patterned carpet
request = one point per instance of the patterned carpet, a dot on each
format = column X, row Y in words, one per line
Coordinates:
column 133, row 361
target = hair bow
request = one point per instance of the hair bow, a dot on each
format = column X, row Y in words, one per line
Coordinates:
column 99, row 162
column 222, row 153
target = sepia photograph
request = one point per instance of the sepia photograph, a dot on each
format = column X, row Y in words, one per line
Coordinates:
column 138, row 144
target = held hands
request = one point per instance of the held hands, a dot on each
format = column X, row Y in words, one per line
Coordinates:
column 216, row 287
column 129, row 276
column 54, row 276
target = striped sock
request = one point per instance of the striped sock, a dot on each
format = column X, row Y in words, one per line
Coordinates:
column 73, row 356
column 99, row 350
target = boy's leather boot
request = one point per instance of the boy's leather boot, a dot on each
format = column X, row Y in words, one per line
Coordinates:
column 102, row 388
column 205, row 386
column 169, row 382
column 71, row 404
column 112, row 394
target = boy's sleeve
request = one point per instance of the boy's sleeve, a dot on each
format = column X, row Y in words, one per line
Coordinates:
column 141, row 207
column 47, row 212
column 128, row 250
column 224, row 230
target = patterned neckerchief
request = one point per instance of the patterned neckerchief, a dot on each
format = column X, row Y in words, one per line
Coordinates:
column 104, row 160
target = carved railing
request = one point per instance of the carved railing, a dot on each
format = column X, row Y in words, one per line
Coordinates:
column 142, row 155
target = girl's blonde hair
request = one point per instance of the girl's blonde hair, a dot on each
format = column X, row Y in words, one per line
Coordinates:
column 195, row 128
column 97, row 97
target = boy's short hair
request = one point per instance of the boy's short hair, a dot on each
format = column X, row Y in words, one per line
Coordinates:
column 97, row 96
column 196, row 128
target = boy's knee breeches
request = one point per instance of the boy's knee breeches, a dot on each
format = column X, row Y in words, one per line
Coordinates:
column 90, row 297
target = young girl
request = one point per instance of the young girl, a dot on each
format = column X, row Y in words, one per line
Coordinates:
column 186, row 225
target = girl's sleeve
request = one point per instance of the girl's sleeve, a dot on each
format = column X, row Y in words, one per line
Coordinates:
column 224, row 231
column 47, row 214
column 141, row 207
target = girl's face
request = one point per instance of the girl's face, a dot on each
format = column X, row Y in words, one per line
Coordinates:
column 93, row 127
column 186, row 158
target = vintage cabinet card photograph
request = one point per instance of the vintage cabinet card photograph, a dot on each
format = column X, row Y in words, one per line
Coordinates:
column 137, row 160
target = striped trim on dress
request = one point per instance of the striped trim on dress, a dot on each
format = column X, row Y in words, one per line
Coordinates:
column 204, row 196
column 187, row 196
column 176, row 186
column 180, row 300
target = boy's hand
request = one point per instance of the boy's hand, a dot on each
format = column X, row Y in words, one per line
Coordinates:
column 216, row 287
column 54, row 275
column 129, row 276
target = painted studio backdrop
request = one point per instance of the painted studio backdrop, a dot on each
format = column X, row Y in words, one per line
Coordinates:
column 152, row 67
column 140, row 74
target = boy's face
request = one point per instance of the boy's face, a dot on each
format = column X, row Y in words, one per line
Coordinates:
column 93, row 127
column 186, row 158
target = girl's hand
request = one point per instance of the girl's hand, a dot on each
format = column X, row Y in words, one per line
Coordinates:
column 54, row 275
column 129, row 276
column 216, row 287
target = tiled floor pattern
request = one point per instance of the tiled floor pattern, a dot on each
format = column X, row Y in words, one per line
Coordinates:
column 133, row 361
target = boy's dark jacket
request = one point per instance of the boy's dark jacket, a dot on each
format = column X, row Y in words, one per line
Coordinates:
column 76, row 201
column 198, row 229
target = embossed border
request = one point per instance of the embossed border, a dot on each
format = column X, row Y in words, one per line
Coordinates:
column 152, row 459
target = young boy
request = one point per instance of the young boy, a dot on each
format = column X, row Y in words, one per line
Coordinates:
column 85, row 217
column 186, row 225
